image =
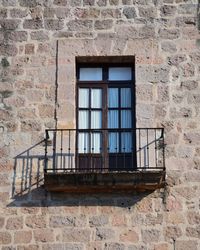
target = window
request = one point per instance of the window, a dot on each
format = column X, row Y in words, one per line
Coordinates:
column 105, row 116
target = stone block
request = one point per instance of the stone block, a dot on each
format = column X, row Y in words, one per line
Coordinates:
column 193, row 232
column 18, row 13
column 152, row 74
column 193, row 218
column 187, row 69
column 28, row 247
column 114, row 2
column 186, row 244
column 150, row 235
column 88, row 2
column 187, row 9
column 129, row 236
column 147, row 32
column 172, row 232
column 169, row 34
column 30, row 125
column 162, row 93
column 101, row 3
column 96, row 221
column 114, row 246
column 8, row 49
column 119, row 220
column 33, row 221
column 168, row 10
column 60, row 2
column 103, row 24
column 104, row 234
column 175, row 218
column 29, row 49
column 79, row 25
column 162, row 246
column 46, row 111
column 51, row 24
column 22, row 237
column 111, row 13
column 39, row 35
column 189, row 85
column 5, row 238
column 192, row 138
column 33, row 24
column 14, row 223
column 169, row 47
column 129, row 12
column 2, row 221
column 43, row 235
column 76, row 235
column 147, row 12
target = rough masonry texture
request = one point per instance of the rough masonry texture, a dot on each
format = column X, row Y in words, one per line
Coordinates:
column 39, row 41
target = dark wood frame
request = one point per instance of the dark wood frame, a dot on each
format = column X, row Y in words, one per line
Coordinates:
column 104, row 85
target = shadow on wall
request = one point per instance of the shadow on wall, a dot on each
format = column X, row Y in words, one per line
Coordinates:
column 28, row 189
column 28, row 170
column 198, row 15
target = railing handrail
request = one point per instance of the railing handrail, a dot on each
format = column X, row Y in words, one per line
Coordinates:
column 143, row 145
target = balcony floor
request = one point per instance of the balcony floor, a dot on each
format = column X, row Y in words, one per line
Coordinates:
column 106, row 182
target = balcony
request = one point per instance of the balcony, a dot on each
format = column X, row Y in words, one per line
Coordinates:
column 104, row 160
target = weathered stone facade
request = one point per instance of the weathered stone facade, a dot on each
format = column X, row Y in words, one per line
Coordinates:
column 39, row 41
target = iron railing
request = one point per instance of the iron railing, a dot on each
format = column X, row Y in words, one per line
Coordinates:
column 104, row 150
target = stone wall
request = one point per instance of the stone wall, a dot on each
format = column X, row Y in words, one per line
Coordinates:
column 39, row 41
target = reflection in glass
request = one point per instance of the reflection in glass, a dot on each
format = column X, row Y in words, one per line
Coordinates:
column 126, row 143
column 113, row 98
column 120, row 73
column 90, row 74
column 125, row 97
column 113, row 144
column 113, row 119
column 126, row 119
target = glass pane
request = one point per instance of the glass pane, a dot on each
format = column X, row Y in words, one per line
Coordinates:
column 83, row 143
column 120, row 73
column 126, row 119
column 96, row 98
column 113, row 142
column 95, row 143
column 113, row 98
column 83, row 98
column 96, row 119
column 126, row 144
column 125, row 97
column 90, row 74
column 83, row 120
column 113, row 121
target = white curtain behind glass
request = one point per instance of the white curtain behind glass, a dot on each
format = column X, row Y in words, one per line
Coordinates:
column 96, row 98
column 126, row 142
column 95, row 122
column 83, row 98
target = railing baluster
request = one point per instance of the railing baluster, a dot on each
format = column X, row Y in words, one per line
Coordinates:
column 93, row 157
column 61, row 149
column 147, row 147
column 46, row 152
column 54, row 150
column 140, row 157
column 155, row 139
column 69, row 149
